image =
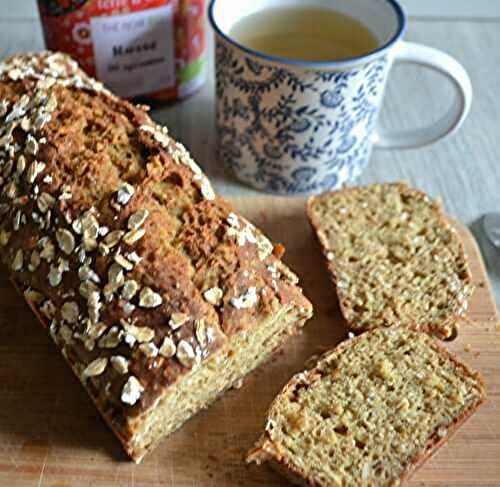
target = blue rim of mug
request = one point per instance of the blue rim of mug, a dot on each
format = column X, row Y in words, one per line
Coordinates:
column 401, row 17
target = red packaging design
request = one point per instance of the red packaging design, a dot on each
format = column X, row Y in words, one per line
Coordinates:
column 138, row 48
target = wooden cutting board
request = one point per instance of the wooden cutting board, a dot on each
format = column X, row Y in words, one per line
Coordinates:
column 52, row 436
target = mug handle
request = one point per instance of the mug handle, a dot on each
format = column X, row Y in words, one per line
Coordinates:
column 429, row 57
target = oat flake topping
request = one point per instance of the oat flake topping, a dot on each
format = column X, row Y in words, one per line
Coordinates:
column 149, row 299
column 137, row 219
column 96, row 367
column 141, row 334
column 130, row 238
column 132, row 391
column 177, row 320
column 167, row 348
column 149, row 349
column 186, row 354
column 247, row 300
column 17, row 263
column 66, row 241
column 69, row 312
column 214, row 295
column 119, row 363
column 124, row 194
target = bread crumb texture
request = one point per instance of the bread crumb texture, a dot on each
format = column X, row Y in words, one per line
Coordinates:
column 393, row 257
column 369, row 411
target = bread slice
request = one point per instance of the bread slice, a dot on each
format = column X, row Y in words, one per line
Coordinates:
column 157, row 294
column 369, row 412
column 393, row 257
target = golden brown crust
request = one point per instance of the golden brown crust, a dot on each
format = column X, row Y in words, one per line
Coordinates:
column 268, row 451
column 117, row 240
column 261, row 453
column 442, row 328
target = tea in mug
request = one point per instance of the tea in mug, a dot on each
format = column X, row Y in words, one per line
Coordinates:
column 305, row 34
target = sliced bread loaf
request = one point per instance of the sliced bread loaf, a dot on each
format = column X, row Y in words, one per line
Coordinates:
column 393, row 257
column 369, row 412
column 157, row 294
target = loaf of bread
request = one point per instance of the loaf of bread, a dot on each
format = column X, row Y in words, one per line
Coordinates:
column 369, row 412
column 393, row 257
column 158, row 295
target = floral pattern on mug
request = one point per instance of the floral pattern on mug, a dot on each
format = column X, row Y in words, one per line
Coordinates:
column 289, row 130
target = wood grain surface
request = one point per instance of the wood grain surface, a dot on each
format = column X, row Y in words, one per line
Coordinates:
column 52, row 436
column 462, row 169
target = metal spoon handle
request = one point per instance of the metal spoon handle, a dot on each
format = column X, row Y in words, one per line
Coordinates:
column 491, row 226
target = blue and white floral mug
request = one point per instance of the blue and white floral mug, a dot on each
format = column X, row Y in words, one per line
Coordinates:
column 287, row 126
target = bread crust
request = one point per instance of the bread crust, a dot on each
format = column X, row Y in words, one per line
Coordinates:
column 115, row 237
column 265, row 450
column 446, row 332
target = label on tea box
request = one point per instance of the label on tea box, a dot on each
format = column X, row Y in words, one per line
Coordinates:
column 134, row 53
column 74, row 27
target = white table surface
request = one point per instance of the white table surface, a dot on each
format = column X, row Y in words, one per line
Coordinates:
column 463, row 170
